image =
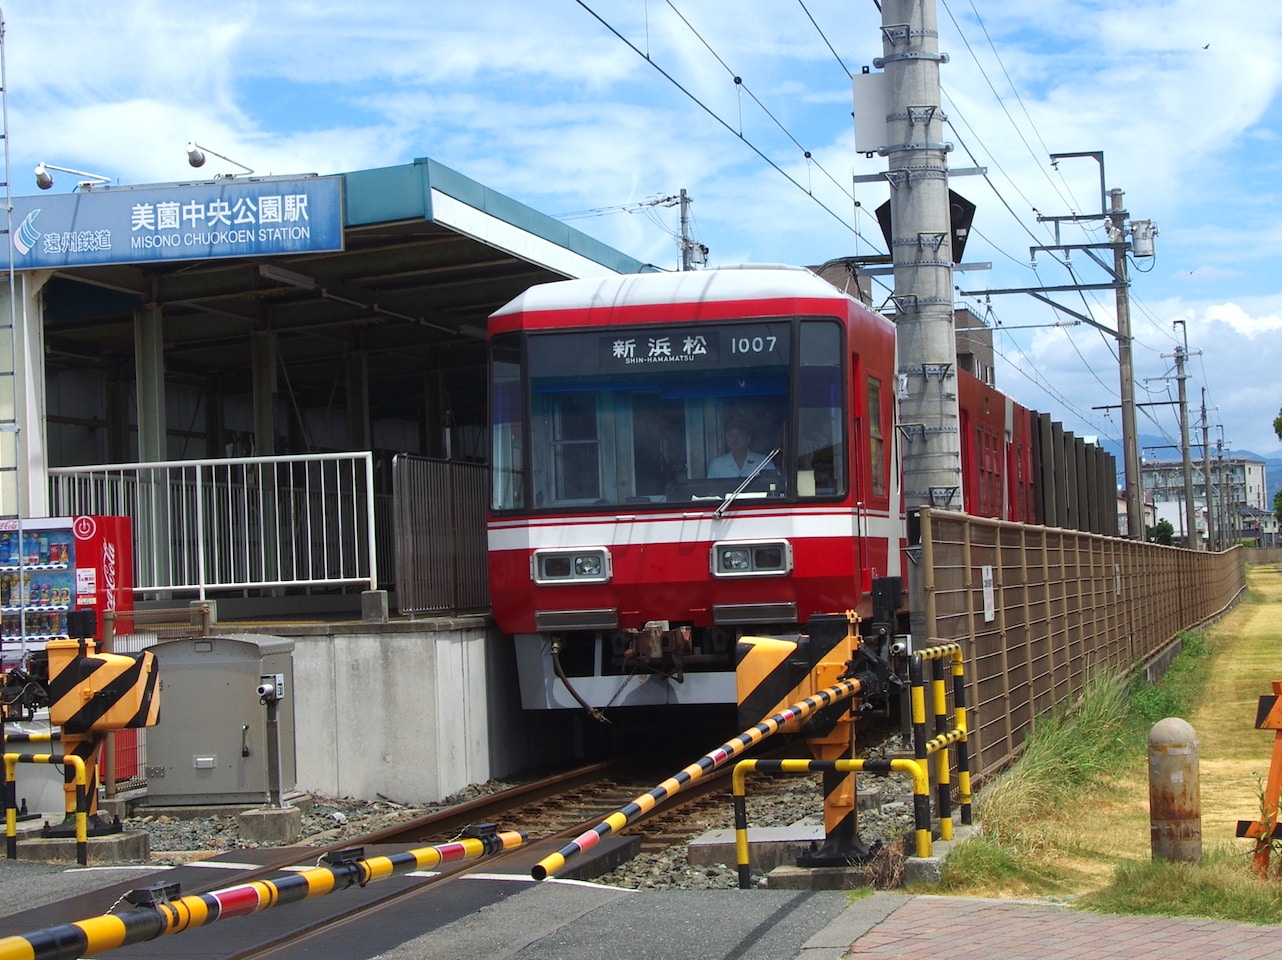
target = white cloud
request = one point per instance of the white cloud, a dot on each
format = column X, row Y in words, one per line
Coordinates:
column 1249, row 325
column 542, row 102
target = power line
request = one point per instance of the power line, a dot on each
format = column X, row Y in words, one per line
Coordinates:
column 711, row 113
column 825, row 40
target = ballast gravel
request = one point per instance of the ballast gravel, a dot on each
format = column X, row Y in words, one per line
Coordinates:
column 796, row 800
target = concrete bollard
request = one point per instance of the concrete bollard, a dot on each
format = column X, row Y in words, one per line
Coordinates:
column 1174, row 794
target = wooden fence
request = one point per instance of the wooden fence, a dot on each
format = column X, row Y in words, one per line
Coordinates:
column 1039, row 608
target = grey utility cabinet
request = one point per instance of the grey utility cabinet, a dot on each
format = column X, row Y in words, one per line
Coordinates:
column 210, row 745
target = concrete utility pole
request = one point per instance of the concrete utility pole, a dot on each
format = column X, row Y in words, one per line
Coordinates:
column 685, row 230
column 692, row 254
column 1206, row 477
column 1130, row 441
column 1190, row 511
column 921, row 249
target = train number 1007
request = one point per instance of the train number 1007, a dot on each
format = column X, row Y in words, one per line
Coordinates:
column 764, row 344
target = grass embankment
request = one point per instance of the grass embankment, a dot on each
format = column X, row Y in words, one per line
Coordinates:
column 1070, row 820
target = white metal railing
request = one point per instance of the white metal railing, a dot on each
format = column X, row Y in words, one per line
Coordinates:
column 245, row 523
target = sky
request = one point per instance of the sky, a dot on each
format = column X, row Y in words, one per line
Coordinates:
column 595, row 111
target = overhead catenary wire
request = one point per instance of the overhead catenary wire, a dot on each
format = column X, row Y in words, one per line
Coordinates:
column 1091, row 303
column 711, row 113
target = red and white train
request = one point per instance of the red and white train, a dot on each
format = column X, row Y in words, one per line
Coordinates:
column 628, row 547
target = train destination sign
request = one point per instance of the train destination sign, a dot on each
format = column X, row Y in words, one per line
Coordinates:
column 189, row 221
column 658, row 349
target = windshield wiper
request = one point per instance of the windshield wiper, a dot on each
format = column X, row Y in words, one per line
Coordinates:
column 730, row 497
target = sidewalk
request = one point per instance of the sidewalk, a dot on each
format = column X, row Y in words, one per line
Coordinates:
column 943, row 928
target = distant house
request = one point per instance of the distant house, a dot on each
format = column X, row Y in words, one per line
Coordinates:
column 1239, row 496
column 1258, row 525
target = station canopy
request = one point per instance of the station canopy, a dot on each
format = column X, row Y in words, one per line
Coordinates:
column 426, row 255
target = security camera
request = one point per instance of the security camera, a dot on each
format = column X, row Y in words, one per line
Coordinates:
column 267, row 691
column 195, row 156
column 44, row 179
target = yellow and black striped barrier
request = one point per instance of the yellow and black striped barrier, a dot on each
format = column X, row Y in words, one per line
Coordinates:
column 924, row 747
column 739, row 788
column 710, row 761
column 11, row 761
column 156, row 915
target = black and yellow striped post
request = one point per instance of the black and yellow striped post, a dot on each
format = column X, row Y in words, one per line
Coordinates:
column 924, row 746
column 89, row 694
column 157, row 915
column 831, row 737
column 788, row 718
column 739, row 789
column 80, row 777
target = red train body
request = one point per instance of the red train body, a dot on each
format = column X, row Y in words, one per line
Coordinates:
column 628, row 549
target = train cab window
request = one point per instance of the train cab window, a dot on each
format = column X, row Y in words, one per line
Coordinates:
column 821, row 456
column 638, row 415
column 576, row 452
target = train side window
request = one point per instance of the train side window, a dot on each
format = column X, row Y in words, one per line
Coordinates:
column 876, row 442
column 507, row 460
column 821, row 411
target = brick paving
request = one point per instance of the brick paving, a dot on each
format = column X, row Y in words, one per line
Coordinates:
column 952, row 928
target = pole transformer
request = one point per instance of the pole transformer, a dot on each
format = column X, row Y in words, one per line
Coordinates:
column 921, row 249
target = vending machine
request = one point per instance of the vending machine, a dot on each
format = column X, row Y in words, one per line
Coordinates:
column 50, row 566
column 104, row 564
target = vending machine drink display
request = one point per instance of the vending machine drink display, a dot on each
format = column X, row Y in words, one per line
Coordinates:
column 52, row 566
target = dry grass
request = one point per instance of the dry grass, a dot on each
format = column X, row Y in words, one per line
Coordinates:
column 1076, row 843
column 1248, row 657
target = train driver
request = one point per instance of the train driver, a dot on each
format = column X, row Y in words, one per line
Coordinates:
column 739, row 460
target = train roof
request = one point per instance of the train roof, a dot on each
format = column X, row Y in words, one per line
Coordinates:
column 748, row 282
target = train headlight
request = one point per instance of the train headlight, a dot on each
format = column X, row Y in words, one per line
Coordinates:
column 586, row 565
column 738, row 558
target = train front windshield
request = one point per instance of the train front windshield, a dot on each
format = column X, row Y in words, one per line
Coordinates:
column 662, row 414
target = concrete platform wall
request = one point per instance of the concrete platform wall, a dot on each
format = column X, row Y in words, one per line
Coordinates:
column 414, row 711
column 403, row 714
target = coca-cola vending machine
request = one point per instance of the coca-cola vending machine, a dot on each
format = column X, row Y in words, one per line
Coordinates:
column 104, row 572
column 104, row 565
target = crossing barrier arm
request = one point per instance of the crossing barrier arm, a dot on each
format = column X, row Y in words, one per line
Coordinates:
column 713, row 760
column 155, row 914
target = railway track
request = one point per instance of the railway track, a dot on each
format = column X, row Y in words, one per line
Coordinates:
column 549, row 812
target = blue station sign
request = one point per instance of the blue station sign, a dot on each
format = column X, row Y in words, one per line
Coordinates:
column 190, row 221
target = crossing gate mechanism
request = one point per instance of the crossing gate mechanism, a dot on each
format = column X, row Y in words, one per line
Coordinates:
column 774, row 671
